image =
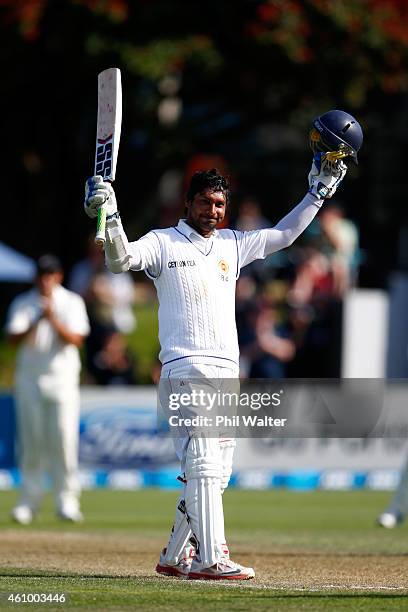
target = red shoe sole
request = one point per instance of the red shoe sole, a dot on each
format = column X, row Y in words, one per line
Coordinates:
column 199, row 576
column 167, row 570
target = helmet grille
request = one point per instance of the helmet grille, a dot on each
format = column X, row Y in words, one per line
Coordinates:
column 317, row 143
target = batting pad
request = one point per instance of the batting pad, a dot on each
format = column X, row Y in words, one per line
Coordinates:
column 180, row 535
column 203, row 470
column 181, row 532
column 227, row 447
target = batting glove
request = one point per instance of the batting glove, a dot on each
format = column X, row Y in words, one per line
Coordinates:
column 325, row 175
column 97, row 194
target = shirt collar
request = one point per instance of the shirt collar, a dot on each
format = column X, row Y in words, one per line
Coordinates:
column 191, row 233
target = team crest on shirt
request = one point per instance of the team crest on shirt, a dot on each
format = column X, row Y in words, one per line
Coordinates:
column 223, row 267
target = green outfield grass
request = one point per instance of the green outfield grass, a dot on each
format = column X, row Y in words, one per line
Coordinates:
column 148, row 595
column 312, row 551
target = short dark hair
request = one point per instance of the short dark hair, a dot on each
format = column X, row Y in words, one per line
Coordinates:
column 208, row 179
column 48, row 264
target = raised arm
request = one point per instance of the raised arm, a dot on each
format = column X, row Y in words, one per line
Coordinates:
column 121, row 255
column 324, row 178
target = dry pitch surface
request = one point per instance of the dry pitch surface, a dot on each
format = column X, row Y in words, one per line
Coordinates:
column 136, row 556
column 298, row 543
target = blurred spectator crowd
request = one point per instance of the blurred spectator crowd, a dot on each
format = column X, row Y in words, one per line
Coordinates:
column 289, row 306
column 109, row 299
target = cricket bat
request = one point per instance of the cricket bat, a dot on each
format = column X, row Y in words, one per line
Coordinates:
column 107, row 134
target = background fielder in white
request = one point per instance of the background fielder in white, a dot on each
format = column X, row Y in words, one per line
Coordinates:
column 49, row 323
column 194, row 267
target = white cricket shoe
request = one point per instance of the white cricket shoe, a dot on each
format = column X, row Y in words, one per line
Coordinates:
column 389, row 520
column 22, row 514
column 223, row 570
column 180, row 569
column 70, row 514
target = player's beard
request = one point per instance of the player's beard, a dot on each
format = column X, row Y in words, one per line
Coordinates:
column 208, row 225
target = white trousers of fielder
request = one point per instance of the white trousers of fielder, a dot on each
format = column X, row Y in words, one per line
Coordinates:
column 207, row 465
column 48, row 432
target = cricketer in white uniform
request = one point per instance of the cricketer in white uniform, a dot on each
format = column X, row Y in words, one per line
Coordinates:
column 397, row 510
column 49, row 323
column 194, row 267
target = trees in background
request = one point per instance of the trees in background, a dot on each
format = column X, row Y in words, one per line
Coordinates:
column 240, row 79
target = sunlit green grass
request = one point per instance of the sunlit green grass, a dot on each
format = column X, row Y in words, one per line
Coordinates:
column 336, row 523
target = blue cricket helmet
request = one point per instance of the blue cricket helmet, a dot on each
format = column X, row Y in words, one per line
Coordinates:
column 336, row 130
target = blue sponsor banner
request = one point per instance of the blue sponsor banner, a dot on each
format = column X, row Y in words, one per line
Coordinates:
column 297, row 480
column 122, row 447
column 7, row 432
column 119, row 430
column 302, row 480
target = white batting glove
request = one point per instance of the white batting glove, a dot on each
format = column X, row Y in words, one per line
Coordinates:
column 99, row 193
column 325, row 175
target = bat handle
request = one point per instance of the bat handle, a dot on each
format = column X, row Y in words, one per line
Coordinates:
column 100, row 226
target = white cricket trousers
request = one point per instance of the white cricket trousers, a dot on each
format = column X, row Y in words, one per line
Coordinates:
column 206, row 463
column 48, row 432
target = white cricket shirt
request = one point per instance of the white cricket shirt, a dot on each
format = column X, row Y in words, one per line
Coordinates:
column 195, row 279
column 42, row 352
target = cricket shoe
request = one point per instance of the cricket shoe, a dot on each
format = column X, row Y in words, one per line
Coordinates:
column 389, row 520
column 22, row 514
column 180, row 569
column 71, row 515
column 223, row 570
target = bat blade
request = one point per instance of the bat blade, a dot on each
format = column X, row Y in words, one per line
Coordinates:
column 107, row 133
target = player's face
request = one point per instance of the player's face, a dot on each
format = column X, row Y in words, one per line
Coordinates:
column 47, row 282
column 206, row 211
